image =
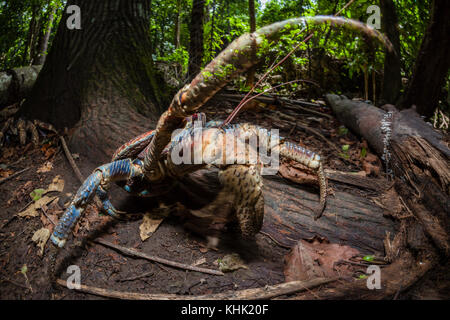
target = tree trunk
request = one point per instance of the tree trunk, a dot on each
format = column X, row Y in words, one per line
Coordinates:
column 211, row 45
column 33, row 30
column 44, row 37
column 100, row 79
column 432, row 63
column 251, row 13
column 178, row 25
column 196, row 38
column 392, row 81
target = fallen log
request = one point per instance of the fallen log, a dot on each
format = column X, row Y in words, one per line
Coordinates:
column 16, row 84
column 350, row 218
column 414, row 154
column 295, row 105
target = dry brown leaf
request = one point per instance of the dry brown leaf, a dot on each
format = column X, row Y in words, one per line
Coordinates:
column 231, row 262
column 32, row 210
column 56, row 185
column 5, row 173
column 40, row 237
column 199, row 262
column 46, row 167
column 309, row 260
column 149, row 225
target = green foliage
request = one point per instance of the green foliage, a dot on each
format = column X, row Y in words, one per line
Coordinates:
column 335, row 59
column 179, row 56
column 36, row 194
column 15, row 19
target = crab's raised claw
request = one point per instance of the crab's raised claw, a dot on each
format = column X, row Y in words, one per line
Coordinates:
column 114, row 171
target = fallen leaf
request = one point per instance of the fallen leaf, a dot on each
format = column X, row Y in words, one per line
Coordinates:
column 46, row 167
column 24, row 269
column 317, row 259
column 40, row 237
column 199, row 262
column 53, row 212
column 5, row 173
column 36, row 194
column 56, row 185
column 231, row 262
column 149, row 225
column 31, row 211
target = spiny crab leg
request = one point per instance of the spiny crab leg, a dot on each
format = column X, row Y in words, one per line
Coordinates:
column 238, row 57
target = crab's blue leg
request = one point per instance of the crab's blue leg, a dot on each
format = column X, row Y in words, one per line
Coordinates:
column 107, row 206
column 102, row 176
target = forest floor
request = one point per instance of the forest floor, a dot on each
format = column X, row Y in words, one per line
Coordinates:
column 23, row 272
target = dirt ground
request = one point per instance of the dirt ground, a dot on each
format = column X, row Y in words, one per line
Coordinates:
column 107, row 268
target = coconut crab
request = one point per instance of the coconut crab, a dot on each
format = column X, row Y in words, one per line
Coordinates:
column 145, row 165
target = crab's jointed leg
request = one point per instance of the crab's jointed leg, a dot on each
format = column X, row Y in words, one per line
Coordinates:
column 311, row 160
column 244, row 184
column 102, row 176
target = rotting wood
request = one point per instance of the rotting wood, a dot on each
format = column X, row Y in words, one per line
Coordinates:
column 348, row 218
column 353, row 179
column 416, row 154
column 16, row 84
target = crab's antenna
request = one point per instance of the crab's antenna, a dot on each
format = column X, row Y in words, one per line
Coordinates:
column 273, row 67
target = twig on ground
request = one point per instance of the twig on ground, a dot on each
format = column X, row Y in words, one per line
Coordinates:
column 17, row 284
column 9, row 220
column 13, row 175
column 135, row 253
column 74, row 166
column 262, row 293
column 144, row 275
column 71, row 161
column 47, row 216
